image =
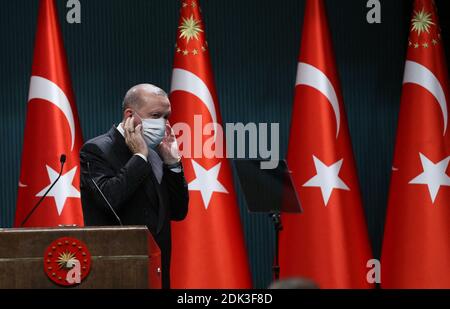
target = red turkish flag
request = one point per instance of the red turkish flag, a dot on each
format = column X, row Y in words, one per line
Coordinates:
column 416, row 247
column 51, row 129
column 208, row 246
column 328, row 243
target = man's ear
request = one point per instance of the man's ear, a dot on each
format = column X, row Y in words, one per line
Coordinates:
column 127, row 113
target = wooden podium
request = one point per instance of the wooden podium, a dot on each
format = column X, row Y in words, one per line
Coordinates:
column 121, row 257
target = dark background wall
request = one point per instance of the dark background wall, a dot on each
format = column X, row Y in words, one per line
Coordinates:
column 254, row 46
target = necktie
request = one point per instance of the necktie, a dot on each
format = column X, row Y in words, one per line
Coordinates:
column 157, row 164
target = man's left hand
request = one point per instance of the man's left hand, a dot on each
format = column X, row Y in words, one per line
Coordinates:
column 168, row 149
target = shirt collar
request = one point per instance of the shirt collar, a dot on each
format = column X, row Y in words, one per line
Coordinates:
column 120, row 129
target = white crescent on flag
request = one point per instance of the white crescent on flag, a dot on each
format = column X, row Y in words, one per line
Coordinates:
column 416, row 73
column 183, row 80
column 42, row 88
column 311, row 76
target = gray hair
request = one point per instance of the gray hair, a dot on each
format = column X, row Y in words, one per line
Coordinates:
column 135, row 96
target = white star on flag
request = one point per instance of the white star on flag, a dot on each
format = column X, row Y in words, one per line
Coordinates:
column 327, row 178
column 433, row 175
column 62, row 189
column 206, row 182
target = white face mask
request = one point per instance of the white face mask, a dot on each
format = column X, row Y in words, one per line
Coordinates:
column 154, row 131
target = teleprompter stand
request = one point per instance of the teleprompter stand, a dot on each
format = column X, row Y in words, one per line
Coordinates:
column 268, row 191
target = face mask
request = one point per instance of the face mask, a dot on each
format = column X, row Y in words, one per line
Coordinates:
column 154, row 131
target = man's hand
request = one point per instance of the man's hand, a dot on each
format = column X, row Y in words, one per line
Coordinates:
column 133, row 137
column 168, row 149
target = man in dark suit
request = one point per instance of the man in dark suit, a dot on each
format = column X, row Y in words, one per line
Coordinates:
column 137, row 167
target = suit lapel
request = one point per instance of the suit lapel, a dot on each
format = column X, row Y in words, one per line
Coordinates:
column 121, row 151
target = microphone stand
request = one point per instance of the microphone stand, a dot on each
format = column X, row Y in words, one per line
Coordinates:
column 62, row 159
column 103, row 196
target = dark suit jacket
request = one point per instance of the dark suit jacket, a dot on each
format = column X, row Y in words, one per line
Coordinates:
column 130, row 186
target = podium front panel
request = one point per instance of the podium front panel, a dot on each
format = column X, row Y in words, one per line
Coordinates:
column 121, row 257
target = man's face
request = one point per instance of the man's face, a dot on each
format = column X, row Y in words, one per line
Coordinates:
column 155, row 107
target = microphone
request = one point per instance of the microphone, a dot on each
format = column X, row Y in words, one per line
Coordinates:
column 103, row 196
column 62, row 160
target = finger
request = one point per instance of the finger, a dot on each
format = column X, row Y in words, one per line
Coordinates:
column 170, row 138
column 172, row 133
column 138, row 129
column 125, row 125
column 166, row 134
column 131, row 125
column 169, row 127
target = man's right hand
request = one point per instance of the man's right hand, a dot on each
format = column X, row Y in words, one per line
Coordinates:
column 134, row 138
